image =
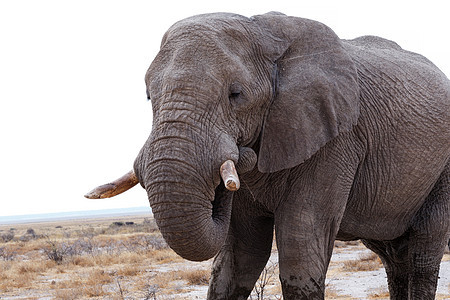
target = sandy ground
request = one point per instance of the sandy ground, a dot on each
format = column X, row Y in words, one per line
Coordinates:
column 363, row 284
column 358, row 285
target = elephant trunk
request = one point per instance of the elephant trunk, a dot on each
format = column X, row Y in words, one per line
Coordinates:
column 190, row 204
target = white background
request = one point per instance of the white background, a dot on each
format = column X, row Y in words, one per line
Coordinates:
column 73, row 109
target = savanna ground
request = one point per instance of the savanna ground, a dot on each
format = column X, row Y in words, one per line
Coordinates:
column 126, row 258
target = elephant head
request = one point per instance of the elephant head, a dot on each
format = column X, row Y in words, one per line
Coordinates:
column 271, row 88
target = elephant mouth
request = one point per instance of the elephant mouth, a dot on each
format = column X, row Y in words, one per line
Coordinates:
column 222, row 200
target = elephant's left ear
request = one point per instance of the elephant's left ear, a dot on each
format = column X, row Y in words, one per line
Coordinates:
column 317, row 94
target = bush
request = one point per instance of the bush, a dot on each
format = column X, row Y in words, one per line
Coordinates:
column 58, row 251
column 30, row 231
column 7, row 254
column 29, row 235
column 87, row 246
column 8, row 236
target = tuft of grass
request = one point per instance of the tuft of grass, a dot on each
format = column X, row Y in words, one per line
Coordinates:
column 165, row 256
column 129, row 270
column 195, row 277
column 93, row 290
column 98, row 277
column 369, row 262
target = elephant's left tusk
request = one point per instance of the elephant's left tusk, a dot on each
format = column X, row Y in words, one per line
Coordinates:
column 114, row 188
column 230, row 176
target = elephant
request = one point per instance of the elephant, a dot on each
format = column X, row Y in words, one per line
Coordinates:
column 274, row 126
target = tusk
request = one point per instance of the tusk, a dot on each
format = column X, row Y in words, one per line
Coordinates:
column 230, row 176
column 114, row 188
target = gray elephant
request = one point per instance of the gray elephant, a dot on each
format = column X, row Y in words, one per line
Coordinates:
column 274, row 124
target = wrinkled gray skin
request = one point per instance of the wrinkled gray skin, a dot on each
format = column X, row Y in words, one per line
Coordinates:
column 352, row 140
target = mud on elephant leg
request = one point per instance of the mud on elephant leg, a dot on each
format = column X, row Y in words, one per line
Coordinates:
column 246, row 251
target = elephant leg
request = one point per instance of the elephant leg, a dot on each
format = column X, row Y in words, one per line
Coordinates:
column 412, row 261
column 394, row 255
column 428, row 237
column 247, row 249
column 305, row 244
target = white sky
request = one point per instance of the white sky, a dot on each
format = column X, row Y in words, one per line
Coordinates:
column 73, row 109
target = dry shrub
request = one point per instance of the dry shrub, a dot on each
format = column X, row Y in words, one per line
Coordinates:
column 75, row 282
column 164, row 256
column 34, row 245
column 83, row 261
column 87, row 285
column 98, row 277
column 7, row 253
column 141, row 283
column 129, row 270
column 13, row 279
column 93, row 291
column 195, row 277
column 58, row 251
column 29, row 267
column 163, row 279
column 7, row 236
column 130, row 258
column 368, row 262
column 61, row 269
column 105, row 260
column 21, row 274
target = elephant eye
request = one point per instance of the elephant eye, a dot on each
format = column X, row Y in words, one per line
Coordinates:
column 236, row 98
column 235, row 95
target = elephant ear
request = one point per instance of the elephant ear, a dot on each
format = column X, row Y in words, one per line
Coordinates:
column 316, row 95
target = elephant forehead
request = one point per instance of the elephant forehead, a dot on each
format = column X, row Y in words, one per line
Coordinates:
column 195, row 61
column 216, row 22
column 212, row 31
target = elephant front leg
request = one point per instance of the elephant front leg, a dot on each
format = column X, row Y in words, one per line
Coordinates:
column 240, row 261
column 305, row 244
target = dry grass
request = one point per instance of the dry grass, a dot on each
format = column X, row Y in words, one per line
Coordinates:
column 368, row 262
column 79, row 259
column 101, row 260
column 381, row 293
column 196, row 277
column 333, row 293
column 92, row 259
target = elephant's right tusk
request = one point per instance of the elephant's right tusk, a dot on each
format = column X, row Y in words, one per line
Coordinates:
column 230, row 176
column 114, row 188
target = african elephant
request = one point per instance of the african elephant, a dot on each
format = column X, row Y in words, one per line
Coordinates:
column 322, row 139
